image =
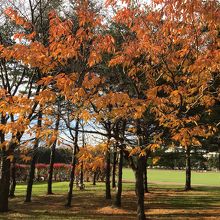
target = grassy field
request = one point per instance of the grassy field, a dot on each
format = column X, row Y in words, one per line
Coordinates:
column 165, row 200
column 176, row 176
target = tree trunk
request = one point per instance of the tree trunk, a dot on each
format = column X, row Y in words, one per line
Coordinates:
column 72, row 177
column 107, row 176
column 119, row 186
column 5, row 173
column 188, row 169
column 139, row 174
column 31, row 174
column 4, row 182
column 139, row 187
column 52, row 159
column 33, row 162
column 50, row 172
column 114, row 167
column 145, row 178
column 81, row 182
column 13, row 179
column 72, row 174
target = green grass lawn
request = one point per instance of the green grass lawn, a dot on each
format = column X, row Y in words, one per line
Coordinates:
column 176, row 176
column 165, row 201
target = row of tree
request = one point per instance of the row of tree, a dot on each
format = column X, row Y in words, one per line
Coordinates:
column 144, row 77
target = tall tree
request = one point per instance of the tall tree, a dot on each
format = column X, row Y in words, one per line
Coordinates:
column 53, row 150
column 34, row 159
column 74, row 161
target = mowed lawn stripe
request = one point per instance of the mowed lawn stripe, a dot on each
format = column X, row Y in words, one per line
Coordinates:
column 176, row 176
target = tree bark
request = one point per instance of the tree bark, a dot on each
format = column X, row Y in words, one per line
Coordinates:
column 13, row 146
column 145, row 178
column 33, row 162
column 188, row 170
column 139, row 187
column 114, row 167
column 119, row 185
column 13, row 179
column 72, row 174
column 72, row 177
column 52, row 158
column 107, row 176
column 50, row 172
column 31, row 174
column 139, row 175
column 4, row 182
column 5, row 173
column 81, row 181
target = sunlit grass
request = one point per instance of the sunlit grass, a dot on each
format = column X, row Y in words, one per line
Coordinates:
column 166, row 199
column 177, row 176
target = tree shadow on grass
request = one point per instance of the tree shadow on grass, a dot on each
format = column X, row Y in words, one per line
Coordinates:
column 201, row 203
column 86, row 206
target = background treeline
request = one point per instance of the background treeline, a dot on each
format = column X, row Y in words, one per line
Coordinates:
column 201, row 160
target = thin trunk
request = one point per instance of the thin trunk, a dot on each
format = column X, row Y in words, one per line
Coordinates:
column 5, row 173
column 119, row 186
column 107, row 176
column 13, row 183
column 139, row 187
column 13, row 179
column 31, row 174
column 81, row 182
column 52, row 159
column 114, row 167
column 4, row 182
column 72, row 174
column 145, row 178
column 72, row 177
column 33, row 163
column 188, row 169
column 50, row 172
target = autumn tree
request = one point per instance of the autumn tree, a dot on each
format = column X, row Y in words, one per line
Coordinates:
column 160, row 74
column 189, row 41
column 54, row 140
column 13, row 75
column 163, row 52
column 12, row 86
